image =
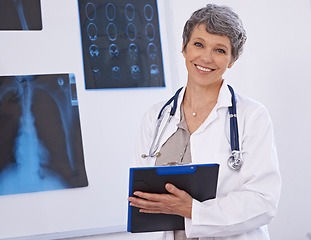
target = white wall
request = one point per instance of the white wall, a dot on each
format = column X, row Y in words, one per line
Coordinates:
column 102, row 206
column 274, row 69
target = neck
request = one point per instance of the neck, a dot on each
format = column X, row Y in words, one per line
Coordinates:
column 198, row 97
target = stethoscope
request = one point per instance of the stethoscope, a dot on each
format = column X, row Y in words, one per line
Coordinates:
column 235, row 160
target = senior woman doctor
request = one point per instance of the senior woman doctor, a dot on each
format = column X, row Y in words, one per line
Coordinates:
column 199, row 132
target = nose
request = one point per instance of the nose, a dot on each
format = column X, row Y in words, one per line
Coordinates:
column 207, row 56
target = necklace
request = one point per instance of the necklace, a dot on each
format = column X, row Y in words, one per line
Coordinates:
column 195, row 113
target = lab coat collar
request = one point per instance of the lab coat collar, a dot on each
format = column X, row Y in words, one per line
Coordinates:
column 179, row 102
column 224, row 98
column 223, row 101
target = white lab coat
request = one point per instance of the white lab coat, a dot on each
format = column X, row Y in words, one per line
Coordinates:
column 247, row 200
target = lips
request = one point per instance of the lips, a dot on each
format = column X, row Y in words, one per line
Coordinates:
column 204, row 69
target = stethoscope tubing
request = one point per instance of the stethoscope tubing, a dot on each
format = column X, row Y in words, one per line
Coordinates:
column 234, row 162
column 173, row 99
column 234, row 134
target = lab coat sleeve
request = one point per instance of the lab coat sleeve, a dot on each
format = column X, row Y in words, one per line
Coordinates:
column 145, row 137
column 253, row 202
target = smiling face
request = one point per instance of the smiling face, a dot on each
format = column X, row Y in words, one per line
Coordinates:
column 207, row 57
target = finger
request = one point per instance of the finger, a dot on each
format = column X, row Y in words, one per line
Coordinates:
column 130, row 199
column 174, row 190
column 137, row 195
column 145, row 203
column 147, row 209
column 170, row 188
column 153, row 211
column 155, row 197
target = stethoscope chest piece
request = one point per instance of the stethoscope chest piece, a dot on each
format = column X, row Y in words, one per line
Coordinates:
column 235, row 161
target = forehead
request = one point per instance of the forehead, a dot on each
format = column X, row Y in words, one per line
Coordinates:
column 199, row 32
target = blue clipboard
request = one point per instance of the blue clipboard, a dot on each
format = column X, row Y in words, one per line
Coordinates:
column 199, row 180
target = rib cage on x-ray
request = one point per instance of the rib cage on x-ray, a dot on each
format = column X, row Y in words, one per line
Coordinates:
column 40, row 144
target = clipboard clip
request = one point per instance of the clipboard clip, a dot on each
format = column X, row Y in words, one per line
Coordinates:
column 174, row 164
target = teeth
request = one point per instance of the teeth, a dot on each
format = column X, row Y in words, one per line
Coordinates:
column 204, row 69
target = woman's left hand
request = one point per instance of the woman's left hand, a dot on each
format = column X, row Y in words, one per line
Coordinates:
column 176, row 202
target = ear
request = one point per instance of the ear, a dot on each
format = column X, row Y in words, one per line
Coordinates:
column 231, row 64
column 182, row 49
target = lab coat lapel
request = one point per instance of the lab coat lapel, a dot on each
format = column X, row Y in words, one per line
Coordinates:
column 223, row 101
column 172, row 127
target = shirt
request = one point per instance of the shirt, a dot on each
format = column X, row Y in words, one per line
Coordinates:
column 176, row 150
column 177, row 147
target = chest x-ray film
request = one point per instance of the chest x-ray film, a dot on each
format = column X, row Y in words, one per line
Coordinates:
column 40, row 143
column 121, row 44
column 20, row 15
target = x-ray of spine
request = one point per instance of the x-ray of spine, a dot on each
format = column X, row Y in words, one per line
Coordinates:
column 121, row 44
column 20, row 15
column 40, row 144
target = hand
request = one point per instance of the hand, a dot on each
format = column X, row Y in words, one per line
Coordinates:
column 176, row 202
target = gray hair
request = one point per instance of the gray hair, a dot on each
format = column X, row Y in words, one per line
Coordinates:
column 220, row 20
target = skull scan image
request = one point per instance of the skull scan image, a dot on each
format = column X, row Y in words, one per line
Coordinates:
column 130, row 12
column 94, row 51
column 135, row 72
column 152, row 51
column 112, row 31
column 150, row 31
column 114, row 50
column 96, row 74
column 90, row 10
column 148, row 12
column 116, row 72
column 131, row 31
column 154, row 71
column 92, row 31
column 133, row 51
column 110, row 11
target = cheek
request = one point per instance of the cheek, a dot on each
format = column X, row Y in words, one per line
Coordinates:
column 187, row 58
column 187, row 63
column 224, row 63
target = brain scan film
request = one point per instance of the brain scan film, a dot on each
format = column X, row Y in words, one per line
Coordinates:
column 121, row 44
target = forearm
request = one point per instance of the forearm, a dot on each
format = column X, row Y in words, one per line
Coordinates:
column 239, row 213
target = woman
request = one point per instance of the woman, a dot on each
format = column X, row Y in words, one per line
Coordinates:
column 199, row 132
